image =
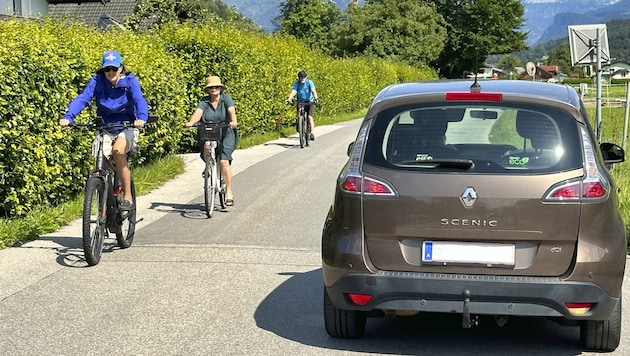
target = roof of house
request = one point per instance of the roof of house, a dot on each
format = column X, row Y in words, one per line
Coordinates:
column 540, row 74
column 550, row 69
column 92, row 12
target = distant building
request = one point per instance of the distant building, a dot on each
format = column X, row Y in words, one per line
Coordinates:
column 488, row 72
column 98, row 13
column 616, row 70
column 544, row 74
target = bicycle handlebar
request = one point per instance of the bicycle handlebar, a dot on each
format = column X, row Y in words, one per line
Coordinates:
column 99, row 124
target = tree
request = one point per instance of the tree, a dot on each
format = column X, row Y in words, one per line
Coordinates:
column 159, row 12
column 399, row 30
column 508, row 64
column 477, row 28
column 561, row 57
column 312, row 21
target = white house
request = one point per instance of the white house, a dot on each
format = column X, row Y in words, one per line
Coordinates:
column 41, row 8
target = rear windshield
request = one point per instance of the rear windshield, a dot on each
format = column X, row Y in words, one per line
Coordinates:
column 482, row 139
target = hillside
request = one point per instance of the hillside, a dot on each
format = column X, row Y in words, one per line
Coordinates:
column 549, row 19
column 554, row 18
column 618, row 44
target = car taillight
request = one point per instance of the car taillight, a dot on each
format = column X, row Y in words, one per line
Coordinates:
column 593, row 185
column 352, row 180
column 578, row 190
column 359, row 299
column 465, row 96
column 355, row 184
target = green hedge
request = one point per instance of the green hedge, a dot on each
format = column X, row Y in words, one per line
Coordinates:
column 44, row 64
column 577, row 81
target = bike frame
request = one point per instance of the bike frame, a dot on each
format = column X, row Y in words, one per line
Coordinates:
column 303, row 123
column 212, row 143
column 105, row 171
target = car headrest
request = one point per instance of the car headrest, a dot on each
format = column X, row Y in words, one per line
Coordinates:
column 430, row 123
column 539, row 129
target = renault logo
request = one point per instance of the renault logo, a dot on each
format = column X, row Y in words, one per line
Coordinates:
column 469, row 197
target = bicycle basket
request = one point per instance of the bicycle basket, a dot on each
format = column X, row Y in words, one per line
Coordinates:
column 210, row 132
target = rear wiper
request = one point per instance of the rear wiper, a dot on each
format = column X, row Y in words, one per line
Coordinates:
column 446, row 163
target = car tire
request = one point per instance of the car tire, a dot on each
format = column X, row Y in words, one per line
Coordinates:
column 602, row 335
column 343, row 323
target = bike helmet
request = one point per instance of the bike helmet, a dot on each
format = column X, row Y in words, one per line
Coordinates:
column 301, row 74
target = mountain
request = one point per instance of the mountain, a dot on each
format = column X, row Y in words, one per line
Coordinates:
column 548, row 20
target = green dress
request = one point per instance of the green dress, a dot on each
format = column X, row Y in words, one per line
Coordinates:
column 210, row 114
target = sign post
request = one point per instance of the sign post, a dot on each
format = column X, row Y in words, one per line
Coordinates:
column 589, row 45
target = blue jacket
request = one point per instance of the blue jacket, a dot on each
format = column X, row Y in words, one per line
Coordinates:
column 124, row 102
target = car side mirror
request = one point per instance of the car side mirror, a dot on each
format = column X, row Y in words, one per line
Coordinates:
column 350, row 148
column 612, row 153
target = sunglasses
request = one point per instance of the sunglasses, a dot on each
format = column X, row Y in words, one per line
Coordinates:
column 214, row 87
column 110, row 69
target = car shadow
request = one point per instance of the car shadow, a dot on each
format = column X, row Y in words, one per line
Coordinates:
column 294, row 311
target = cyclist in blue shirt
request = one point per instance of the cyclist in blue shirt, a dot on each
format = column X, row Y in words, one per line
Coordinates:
column 304, row 88
column 119, row 99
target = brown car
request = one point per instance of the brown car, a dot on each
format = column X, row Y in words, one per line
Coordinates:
column 489, row 198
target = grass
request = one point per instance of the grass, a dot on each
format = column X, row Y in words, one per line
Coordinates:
column 147, row 178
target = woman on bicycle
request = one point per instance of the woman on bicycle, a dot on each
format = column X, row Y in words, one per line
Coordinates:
column 118, row 99
column 304, row 88
column 216, row 107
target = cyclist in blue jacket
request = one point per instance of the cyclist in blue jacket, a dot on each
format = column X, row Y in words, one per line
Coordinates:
column 119, row 99
column 304, row 88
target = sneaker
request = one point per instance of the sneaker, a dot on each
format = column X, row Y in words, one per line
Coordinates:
column 126, row 205
column 312, row 137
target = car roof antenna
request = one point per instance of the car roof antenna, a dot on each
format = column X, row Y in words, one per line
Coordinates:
column 475, row 87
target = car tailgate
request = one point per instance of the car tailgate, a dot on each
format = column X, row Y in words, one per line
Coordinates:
column 463, row 223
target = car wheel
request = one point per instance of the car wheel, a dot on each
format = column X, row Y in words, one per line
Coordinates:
column 603, row 335
column 342, row 323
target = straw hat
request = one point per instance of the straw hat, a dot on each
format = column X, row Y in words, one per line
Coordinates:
column 213, row 81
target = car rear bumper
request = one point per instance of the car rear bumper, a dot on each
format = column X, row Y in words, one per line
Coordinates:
column 474, row 294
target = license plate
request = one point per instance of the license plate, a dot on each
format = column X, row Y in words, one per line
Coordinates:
column 468, row 253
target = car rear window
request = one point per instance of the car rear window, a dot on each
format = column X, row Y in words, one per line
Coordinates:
column 478, row 138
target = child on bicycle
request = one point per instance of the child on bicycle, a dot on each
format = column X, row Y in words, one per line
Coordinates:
column 217, row 107
column 119, row 99
column 304, row 88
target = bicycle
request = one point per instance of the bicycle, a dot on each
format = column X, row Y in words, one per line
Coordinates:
column 211, row 134
column 101, row 204
column 302, row 124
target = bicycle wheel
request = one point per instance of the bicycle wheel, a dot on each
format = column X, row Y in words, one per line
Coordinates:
column 209, row 185
column 94, row 220
column 127, row 223
column 301, row 130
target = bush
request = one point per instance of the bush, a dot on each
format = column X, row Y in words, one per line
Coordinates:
column 46, row 63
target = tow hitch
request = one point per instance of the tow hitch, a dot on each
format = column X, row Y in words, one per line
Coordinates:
column 467, row 322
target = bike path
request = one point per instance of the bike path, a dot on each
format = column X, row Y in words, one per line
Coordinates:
column 25, row 265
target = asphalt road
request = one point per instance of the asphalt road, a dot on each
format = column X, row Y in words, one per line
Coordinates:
column 245, row 282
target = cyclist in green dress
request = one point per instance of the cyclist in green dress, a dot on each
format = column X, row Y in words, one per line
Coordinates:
column 217, row 107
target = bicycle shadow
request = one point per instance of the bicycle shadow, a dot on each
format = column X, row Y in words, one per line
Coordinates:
column 280, row 144
column 285, row 144
column 195, row 211
column 69, row 249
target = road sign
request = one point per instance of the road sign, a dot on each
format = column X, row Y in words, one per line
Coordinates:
column 583, row 42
